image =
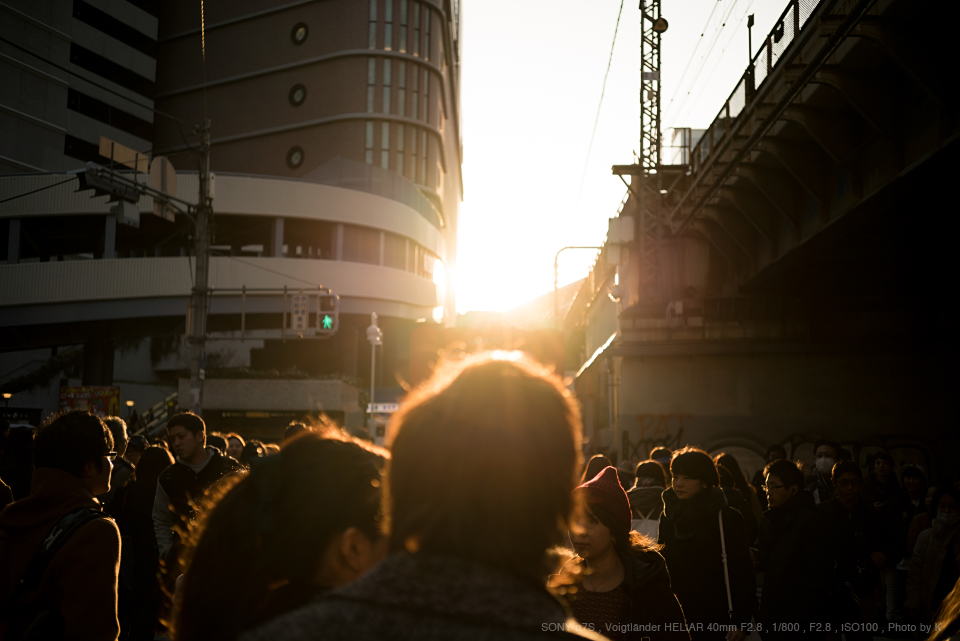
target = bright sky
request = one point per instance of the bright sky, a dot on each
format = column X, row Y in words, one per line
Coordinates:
column 531, row 78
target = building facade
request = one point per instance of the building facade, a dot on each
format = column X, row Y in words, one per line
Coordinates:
column 335, row 147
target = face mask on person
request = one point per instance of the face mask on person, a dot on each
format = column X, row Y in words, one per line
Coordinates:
column 948, row 518
column 825, row 465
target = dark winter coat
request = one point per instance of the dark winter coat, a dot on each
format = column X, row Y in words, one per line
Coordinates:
column 794, row 559
column 873, row 491
column 690, row 534
column 81, row 580
column 897, row 517
column 649, row 602
column 179, row 487
column 427, row 598
column 853, row 535
column 821, row 488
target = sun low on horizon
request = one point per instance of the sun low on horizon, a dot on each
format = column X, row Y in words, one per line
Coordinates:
column 531, row 79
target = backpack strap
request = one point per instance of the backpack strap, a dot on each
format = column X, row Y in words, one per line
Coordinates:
column 726, row 572
column 58, row 536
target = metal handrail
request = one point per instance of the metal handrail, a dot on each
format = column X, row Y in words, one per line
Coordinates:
column 783, row 34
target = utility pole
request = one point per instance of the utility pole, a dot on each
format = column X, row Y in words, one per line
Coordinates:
column 647, row 176
column 197, row 330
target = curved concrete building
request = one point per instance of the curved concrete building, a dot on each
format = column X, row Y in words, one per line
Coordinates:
column 336, row 152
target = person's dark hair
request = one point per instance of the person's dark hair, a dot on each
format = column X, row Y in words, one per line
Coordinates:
column 137, row 443
column 296, row 427
column 776, row 447
column 843, row 467
column 697, row 464
column 234, row 435
column 70, row 440
column 477, row 424
column 730, row 463
column 661, row 453
column 879, row 455
column 832, row 444
column 596, row 464
column 787, row 471
column 252, row 450
column 652, row 470
column 726, row 479
column 947, row 490
column 189, row 421
column 118, row 430
column 633, row 539
column 277, row 520
column 844, row 454
column 153, row 461
column 912, row 470
column 217, row 441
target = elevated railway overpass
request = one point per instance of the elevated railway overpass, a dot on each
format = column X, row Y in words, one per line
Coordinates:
column 798, row 266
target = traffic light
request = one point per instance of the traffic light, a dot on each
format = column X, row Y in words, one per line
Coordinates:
column 328, row 305
column 104, row 182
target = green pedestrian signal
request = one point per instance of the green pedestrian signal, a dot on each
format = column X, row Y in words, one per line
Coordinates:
column 327, row 321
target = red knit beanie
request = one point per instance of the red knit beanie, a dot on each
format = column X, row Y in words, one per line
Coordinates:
column 605, row 491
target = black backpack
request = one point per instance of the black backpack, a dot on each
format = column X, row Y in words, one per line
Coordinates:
column 48, row 624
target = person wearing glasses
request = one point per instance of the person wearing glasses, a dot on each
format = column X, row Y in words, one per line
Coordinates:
column 792, row 556
column 857, row 544
column 59, row 555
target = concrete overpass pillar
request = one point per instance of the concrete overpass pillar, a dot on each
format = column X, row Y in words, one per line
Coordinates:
column 110, row 238
column 276, row 238
column 98, row 362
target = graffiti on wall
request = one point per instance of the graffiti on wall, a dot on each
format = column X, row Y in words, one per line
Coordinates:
column 656, row 430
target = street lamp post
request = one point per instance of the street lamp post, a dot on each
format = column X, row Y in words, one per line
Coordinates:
column 375, row 336
column 129, row 409
column 6, row 399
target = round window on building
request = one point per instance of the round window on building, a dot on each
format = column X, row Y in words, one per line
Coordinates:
column 299, row 33
column 298, row 93
column 295, row 157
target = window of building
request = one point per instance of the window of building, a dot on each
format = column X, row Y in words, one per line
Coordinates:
column 426, row 33
column 402, row 88
column 403, row 26
column 385, row 145
column 295, row 157
column 387, row 81
column 388, row 25
column 400, row 146
column 426, row 96
column 371, row 82
column 361, row 245
column 415, row 93
column 422, row 174
column 416, row 28
column 299, row 33
column 298, row 94
column 372, row 38
column 394, row 251
column 414, row 163
column 368, row 143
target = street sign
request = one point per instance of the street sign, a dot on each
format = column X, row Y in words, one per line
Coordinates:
column 299, row 312
column 124, row 155
column 382, row 408
column 101, row 400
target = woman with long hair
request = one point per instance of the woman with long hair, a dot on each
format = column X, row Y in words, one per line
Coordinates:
column 301, row 522
column 710, row 567
column 621, row 586
column 730, row 463
column 139, row 593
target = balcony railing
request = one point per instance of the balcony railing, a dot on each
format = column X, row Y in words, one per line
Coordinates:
column 772, row 49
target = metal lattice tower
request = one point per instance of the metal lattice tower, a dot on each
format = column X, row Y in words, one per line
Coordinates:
column 648, row 207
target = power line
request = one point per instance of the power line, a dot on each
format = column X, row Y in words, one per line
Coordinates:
column 272, row 271
column 704, row 66
column 603, row 90
column 62, row 182
column 693, row 54
column 706, row 56
column 95, row 84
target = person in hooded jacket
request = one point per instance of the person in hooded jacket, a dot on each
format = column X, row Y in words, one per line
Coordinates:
column 646, row 501
column 77, row 592
column 935, row 565
column 692, row 546
column 622, row 584
column 792, row 555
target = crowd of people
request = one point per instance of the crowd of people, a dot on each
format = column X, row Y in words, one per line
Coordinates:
column 480, row 521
